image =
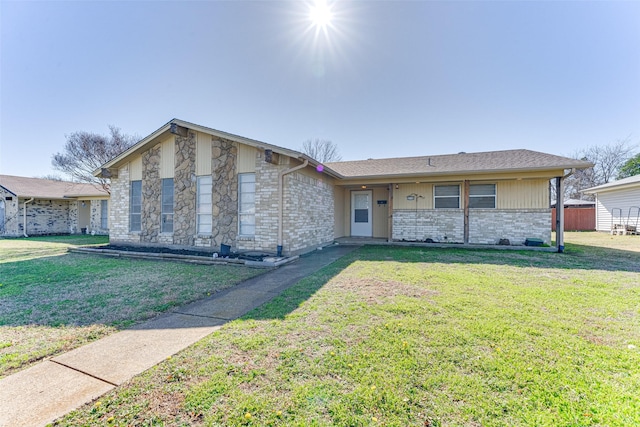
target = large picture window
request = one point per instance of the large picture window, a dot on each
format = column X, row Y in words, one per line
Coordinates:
column 167, row 205
column 104, row 214
column 446, row 196
column 135, row 206
column 247, row 204
column 203, row 205
column 482, row 196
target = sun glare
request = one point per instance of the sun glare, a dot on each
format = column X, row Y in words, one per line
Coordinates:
column 320, row 14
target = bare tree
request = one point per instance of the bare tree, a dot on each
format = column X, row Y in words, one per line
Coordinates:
column 84, row 152
column 51, row 177
column 322, row 150
column 607, row 160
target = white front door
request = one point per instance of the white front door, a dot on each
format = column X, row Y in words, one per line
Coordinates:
column 361, row 223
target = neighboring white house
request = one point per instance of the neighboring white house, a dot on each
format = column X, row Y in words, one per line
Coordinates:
column 617, row 202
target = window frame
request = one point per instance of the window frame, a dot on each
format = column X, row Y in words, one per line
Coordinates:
column 246, row 210
column 436, row 197
column 3, row 209
column 133, row 212
column 104, row 214
column 167, row 205
column 477, row 196
column 200, row 215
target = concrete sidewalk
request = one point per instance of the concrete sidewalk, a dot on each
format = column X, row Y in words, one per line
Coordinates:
column 48, row 390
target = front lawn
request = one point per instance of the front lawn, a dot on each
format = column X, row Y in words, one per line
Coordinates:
column 414, row 336
column 52, row 301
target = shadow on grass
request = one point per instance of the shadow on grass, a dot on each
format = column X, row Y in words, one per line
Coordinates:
column 279, row 292
column 576, row 257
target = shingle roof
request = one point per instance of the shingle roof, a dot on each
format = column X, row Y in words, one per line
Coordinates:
column 47, row 189
column 615, row 184
column 491, row 161
column 575, row 202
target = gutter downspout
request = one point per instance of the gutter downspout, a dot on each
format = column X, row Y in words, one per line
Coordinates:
column 281, row 175
column 24, row 222
column 560, row 210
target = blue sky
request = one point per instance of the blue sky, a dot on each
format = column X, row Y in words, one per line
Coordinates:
column 386, row 79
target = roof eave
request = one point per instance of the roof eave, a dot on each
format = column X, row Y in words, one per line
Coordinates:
column 138, row 146
column 141, row 145
column 605, row 187
column 462, row 172
column 6, row 189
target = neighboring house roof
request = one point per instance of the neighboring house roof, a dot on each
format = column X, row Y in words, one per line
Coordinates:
column 491, row 161
column 575, row 202
column 632, row 181
column 39, row 188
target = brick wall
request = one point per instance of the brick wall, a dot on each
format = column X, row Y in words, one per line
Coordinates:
column 266, row 197
column 488, row 226
column 119, row 211
column 45, row 216
column 308, row 220
column 440, row 225
column 308, row 217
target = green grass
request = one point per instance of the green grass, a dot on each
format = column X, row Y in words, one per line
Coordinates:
column 52, row 301
column 12, row 250
column 413, row 336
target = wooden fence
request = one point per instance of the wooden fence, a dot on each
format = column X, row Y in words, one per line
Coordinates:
column 576, row 219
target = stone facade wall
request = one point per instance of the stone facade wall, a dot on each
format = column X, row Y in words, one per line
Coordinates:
column 488, row 226
column 440, row 225
column 151, row 196
column 119, row 209
column 308, row 220
column 184, row 191
column 45, row 217
column 224, row 194
column 11, row 219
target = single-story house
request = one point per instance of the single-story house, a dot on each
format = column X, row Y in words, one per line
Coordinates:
column 34, row 206
column 617, row 203
column 190, row 185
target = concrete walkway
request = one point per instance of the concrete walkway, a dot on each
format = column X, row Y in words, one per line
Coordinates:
column 38, row 395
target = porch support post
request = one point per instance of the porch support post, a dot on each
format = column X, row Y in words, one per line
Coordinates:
column 466, row 211
column 560, row 214
column 390, row 214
